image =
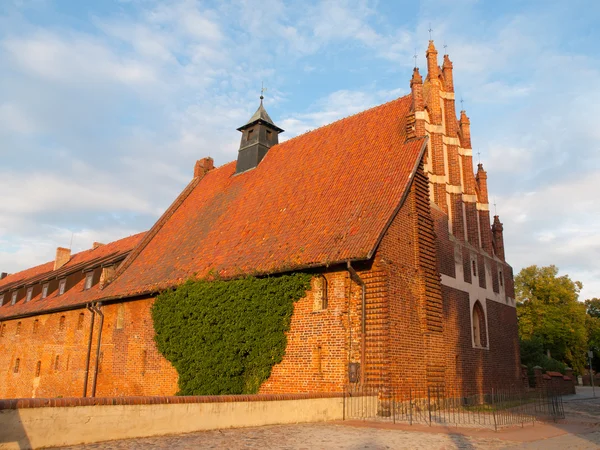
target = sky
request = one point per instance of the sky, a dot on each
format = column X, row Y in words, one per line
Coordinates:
column 106, row 105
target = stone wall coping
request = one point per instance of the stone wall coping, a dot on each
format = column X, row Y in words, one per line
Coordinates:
column 21, row 403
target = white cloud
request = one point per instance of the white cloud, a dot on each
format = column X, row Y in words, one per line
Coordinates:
column 74, row 59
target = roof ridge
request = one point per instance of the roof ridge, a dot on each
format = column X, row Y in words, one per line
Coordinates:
column 51, row 262
column 381, row 105
column 155, row 228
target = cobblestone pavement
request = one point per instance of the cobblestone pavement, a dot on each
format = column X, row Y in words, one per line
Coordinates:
column 304, row 436
column 584, row 416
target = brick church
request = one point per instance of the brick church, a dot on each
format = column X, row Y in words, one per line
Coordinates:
column 410, row 285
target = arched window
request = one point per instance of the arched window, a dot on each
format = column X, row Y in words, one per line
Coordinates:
column 17, row 364
column 478, row 320
column 38, row 368
column 57, row 363
column 18, row 331
column 36, row 325
column 80, row 321
column 61, row 323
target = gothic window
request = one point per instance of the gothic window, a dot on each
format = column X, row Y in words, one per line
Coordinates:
column 474, row 267
column 38, row 368
column 479, row 337
column 36, row 325
column 45, row 290
column 29, row 294
column 17, row 364
column 56, row 362
column 14, row 298
column 61, row 323
column 80, row 321
column 89, row 278
column 320, row 293
column 18, row 328
column 62, row 285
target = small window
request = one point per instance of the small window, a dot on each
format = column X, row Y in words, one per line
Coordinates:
column 500, row 278
column 14, row 298
column 38, row 369
column 89, row 278
column 474, row 268
column 36, row 326
column 62, row 284
column 17, row 364
column 80, row 321
column 45, row 290
column 18, row 331
column 144, row 361
column 1, row 299
column 320, row 293
column 120, row 317
column 56, row 362
column 61, row 323
column 250, row 133
column 29, row 294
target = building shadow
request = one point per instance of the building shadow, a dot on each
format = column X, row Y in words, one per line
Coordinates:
column 12, row 429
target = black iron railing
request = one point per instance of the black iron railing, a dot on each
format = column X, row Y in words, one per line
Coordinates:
column 440, row 405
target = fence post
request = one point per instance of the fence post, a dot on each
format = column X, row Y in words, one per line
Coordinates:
column 410, row 406
column 494, row 411
column 393, row 405
column 429, row 403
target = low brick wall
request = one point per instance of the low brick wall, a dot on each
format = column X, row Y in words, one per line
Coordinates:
column 34, row 423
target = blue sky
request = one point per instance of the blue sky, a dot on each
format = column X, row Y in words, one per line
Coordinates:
column 106, row 105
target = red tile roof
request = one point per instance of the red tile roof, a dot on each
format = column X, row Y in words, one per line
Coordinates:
column 324, row 197
column 75, row 295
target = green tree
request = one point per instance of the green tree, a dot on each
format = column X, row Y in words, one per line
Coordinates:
column 549, row 312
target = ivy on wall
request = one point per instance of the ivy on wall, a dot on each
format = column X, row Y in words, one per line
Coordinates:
column 223, row 337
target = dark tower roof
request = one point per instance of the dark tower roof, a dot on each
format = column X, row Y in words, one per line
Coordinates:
column 260, row 115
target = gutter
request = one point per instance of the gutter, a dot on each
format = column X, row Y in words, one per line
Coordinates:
column 95, row 379
column 89, row 350
column 363, row 338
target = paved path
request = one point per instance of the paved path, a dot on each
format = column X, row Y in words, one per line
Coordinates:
column 580, row 431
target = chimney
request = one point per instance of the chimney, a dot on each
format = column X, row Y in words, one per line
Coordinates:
column 498, row 239
column 203, row 166
column 95, row 245
column 3, row 275
column 63, row 255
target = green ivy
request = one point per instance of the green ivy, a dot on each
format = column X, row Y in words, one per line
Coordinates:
column 223, row 337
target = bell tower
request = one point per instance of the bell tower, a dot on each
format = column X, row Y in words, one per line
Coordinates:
column 259, row 134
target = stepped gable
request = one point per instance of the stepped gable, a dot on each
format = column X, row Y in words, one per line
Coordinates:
column 74, row 295
column 321, row 198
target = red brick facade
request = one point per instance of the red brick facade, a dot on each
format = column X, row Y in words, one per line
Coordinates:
column 438, row 295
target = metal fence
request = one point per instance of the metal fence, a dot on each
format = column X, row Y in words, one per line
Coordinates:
column 446, row 406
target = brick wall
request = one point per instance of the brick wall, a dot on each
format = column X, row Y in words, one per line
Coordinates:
column 130, row 363
column 320, row 342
